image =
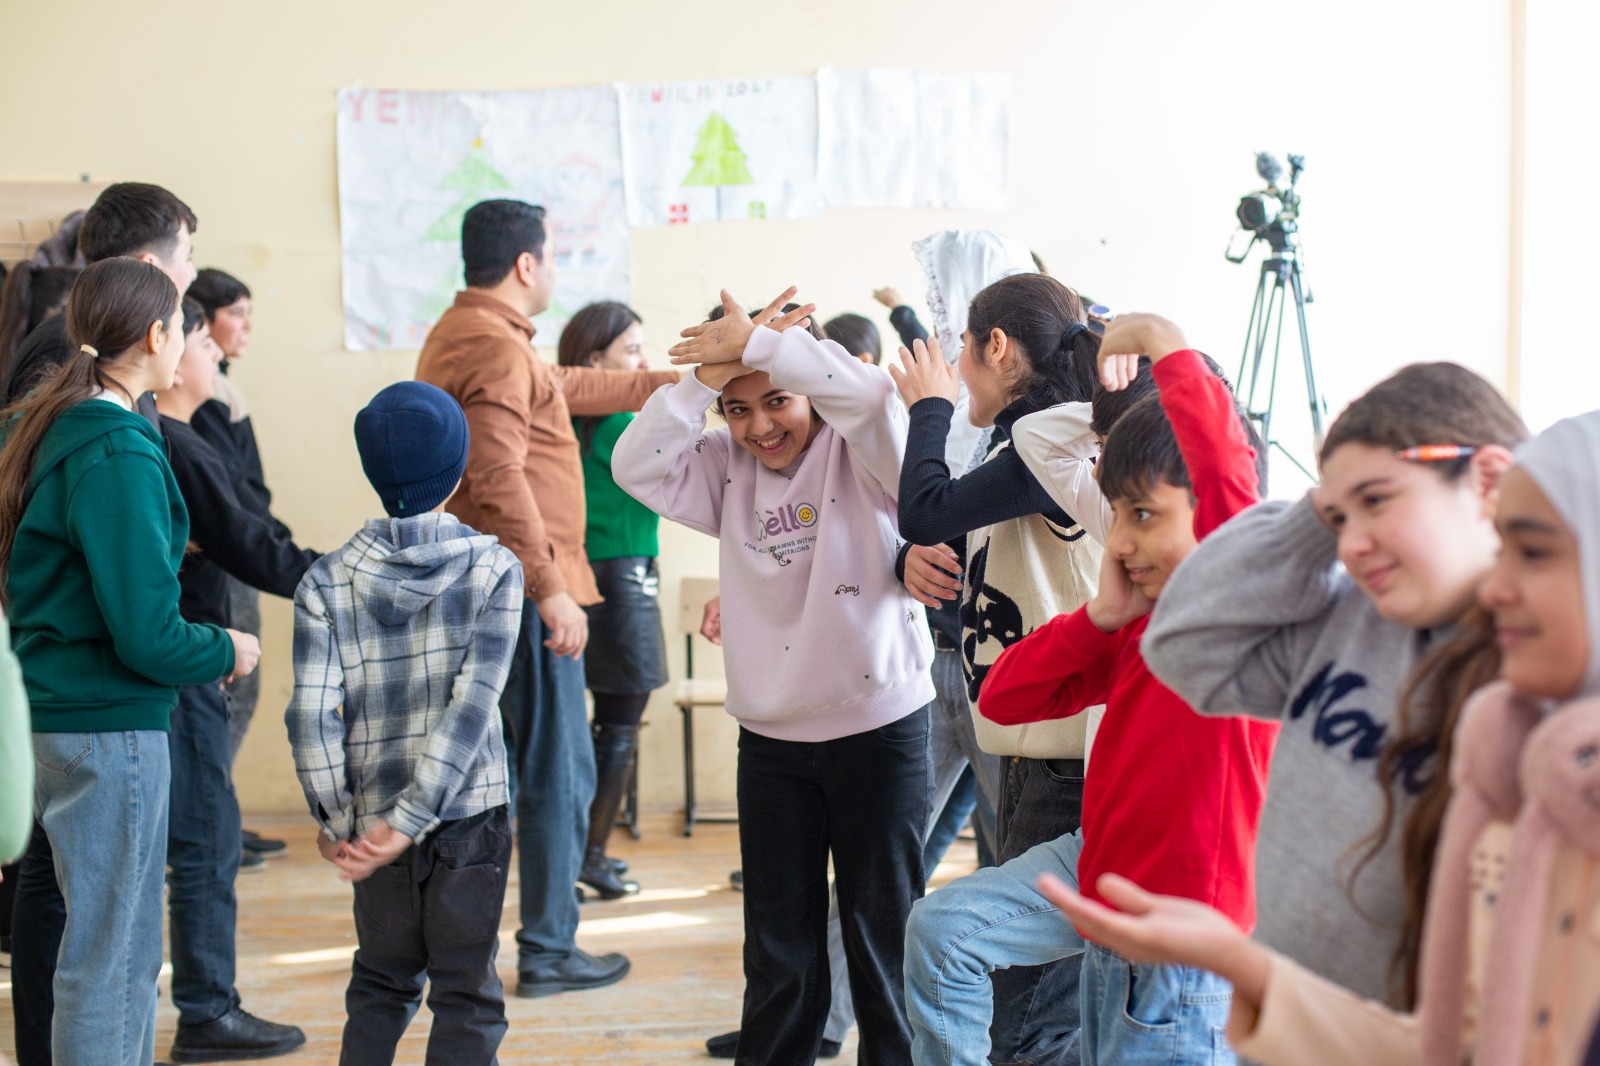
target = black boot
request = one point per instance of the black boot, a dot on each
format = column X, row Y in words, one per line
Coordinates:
column 614, row 750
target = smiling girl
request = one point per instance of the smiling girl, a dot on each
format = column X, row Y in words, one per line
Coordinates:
column 827, row 657
column 1511, row 974
column 1317, row 614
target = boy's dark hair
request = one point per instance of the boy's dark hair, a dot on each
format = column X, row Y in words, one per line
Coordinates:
column 1428, row 403
column 811, row 328
column 494, row 233
column 214, row 289
column 1141, row 451
column 593, row 329
column 194, row 315
column 1108, row 407
column 857, row 334
column 1046, row 321
column 132, row 217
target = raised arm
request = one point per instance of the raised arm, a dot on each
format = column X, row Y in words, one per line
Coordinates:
column 1225, row 633
column 593, row 391
column 855, row 398
column 1060, row 669
column 314, row 719
column 669, row 461
column 457, row 736
column 1059, row 450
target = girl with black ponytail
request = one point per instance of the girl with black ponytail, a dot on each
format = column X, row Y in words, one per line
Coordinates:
column 1027, row 348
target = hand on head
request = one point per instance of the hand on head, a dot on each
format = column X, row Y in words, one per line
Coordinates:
column 1130, row 336
column 924, row 374
column 723, row 340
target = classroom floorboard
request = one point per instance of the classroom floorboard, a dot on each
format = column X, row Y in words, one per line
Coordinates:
column 683, row 934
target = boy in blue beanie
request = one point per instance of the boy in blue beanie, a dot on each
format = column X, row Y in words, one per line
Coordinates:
column 402, row 642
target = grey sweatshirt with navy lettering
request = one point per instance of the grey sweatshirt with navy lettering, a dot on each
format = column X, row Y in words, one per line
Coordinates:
column 1261, row 620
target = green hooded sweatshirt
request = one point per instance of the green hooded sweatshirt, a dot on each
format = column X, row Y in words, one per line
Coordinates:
column 93, row 580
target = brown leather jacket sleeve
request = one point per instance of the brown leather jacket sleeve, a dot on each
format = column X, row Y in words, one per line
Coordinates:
column 495, row 394
column 590, row 391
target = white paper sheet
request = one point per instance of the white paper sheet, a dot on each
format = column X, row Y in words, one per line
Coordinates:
column 913, row 138
column 707, row 151
column 412, row 163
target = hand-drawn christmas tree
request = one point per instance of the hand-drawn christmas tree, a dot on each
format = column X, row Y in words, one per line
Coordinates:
column 478, row 181
column 718, row 159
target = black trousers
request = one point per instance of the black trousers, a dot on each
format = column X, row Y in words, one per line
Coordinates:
column 432, row 915
column 1036, row 1007
column 864, row 800
column 39, row 919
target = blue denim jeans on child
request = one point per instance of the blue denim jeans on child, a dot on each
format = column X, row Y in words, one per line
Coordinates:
column 102, row 800
column 996, row 918
column 553, row 778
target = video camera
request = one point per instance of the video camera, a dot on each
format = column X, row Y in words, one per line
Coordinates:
column 1272, row 214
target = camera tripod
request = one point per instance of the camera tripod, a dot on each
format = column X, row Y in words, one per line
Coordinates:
column 1280, row 280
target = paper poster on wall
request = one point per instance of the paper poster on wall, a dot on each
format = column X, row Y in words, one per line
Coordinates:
column 411, row 164
column 913, row 138
column 709, row 151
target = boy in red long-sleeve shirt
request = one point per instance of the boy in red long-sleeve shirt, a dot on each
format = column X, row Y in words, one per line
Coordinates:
column 1171, row 799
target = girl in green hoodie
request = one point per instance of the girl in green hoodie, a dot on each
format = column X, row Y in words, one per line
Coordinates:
column 92, row 530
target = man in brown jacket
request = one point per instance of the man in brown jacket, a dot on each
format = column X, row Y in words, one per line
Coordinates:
column 524, row 484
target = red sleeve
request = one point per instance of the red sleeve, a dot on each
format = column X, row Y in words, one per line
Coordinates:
column 1060, row 669
column 1221, row 462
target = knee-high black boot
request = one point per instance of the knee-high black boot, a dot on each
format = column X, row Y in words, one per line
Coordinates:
column 614, row 749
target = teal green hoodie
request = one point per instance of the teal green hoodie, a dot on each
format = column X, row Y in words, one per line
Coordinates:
column 93, row 580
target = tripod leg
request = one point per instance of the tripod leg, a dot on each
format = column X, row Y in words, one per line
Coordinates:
column 1255, row 343
column 1313, row 397
column 1275, row 302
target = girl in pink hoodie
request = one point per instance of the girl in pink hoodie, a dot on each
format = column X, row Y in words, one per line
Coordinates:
column 827, row 656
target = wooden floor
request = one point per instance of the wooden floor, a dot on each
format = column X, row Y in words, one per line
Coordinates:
column 683, row 933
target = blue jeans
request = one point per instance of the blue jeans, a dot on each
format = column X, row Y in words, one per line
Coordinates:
column 996, row 918
column 1153, row 1015
column 203, row 850
column 553, row 775
column 102, row 800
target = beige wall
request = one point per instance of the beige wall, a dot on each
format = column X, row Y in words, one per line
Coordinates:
column 1132, row 130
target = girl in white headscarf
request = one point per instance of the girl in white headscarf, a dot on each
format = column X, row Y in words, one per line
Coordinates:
column 1510, row 972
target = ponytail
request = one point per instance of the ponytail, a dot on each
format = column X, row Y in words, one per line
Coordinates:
column 110, row 311
column 1046, row 321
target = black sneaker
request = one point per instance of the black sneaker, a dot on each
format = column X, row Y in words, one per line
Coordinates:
column 726, row 1046
column 736, row 880
column 575, row 973
column 254, row 841
column 237, row 1036
column 251, row 861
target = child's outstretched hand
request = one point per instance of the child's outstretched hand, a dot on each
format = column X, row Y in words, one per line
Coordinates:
column 1130, row 336
column 723, row 341
column 926, row 374
column 1118, row 600
column 933, row 575
column 1148, row 928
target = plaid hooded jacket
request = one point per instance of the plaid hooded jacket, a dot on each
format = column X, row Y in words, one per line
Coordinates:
column 402, row 642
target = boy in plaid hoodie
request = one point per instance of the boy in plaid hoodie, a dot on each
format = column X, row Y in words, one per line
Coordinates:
column 402, row 642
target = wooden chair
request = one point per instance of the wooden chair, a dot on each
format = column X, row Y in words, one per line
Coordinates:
column 693, row 692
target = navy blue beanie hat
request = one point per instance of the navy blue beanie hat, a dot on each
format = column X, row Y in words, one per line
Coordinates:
column 413, row 443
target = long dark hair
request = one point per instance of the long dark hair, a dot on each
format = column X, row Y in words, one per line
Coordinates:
column 111, row 309
column 1045, row 319
column 31, row 295
column 593, row 329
